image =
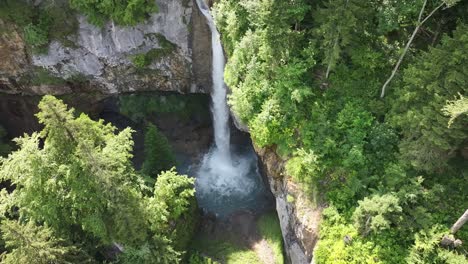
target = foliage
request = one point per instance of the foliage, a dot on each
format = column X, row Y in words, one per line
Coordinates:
column 436, row 74
column 427, row 249
column 28, row 243
column 305, row 77
column 41, row 76
column 73, row 156
column 18, row 11
column 172, row 201
column 372, row 214
column 196, row 258
column 126, row 12
column 456, row 108
column 143, row 60
column 225, row 251
column 35, row 35
column 42, row 23
column 270, row 230
column 158, row 152
column 139, row 107
column 332, row 247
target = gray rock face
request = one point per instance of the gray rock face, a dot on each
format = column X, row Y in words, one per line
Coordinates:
column 299, row 219
column 103, row 56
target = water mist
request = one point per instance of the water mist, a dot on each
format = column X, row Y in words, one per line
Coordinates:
column 226, row 181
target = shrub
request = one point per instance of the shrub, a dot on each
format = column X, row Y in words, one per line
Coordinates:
column 373, row 214
column 126, row 12
column 143, row 60
column 36, row 36
column 197, row 258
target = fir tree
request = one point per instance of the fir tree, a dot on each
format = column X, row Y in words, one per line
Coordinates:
column 158, row 153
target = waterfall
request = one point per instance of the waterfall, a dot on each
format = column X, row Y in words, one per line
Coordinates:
column 218, row 94
column 228, row 179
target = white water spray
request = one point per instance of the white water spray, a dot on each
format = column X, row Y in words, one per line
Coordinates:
column 218, row 94
column 225, row 182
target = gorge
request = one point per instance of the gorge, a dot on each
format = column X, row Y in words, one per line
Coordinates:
column 233, row 131
column 228, row 175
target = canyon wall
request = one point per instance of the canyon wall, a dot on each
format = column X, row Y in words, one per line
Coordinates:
column 299, row 218
column 99, row 60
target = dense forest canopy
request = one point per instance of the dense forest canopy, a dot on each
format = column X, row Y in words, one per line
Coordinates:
column 74, row 196
column 307, row 77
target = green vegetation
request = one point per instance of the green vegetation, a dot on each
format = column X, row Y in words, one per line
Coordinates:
column 139, row 106
column 56, row 19
column 158, row 153
column 145, row 59
column 224, row 251
column 50, row 20
column 270, row 230
column 232, row 248
column 307, row 78
column 196, row 258
column 126, row 12
column 75, row 194
column 41, row 76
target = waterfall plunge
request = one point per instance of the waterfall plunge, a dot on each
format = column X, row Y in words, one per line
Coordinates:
column 225, row 181
column 218, row 95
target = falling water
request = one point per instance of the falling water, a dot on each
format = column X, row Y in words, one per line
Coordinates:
column 227, row 180
column 218, row 93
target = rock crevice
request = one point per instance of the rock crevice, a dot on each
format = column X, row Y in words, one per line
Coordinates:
column 299, row 218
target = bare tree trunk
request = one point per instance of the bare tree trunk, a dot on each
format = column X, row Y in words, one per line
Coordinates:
column 460, row 222
column 331, row 57
column 397, row 66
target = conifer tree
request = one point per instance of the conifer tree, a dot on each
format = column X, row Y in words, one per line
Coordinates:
column 158, row 153
column 29, row 243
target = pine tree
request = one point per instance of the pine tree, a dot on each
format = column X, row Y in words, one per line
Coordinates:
column 437, row 76
column 80, row 182
column 158, row 153
column 29, row 243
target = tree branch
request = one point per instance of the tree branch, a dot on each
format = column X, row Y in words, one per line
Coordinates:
column 402, row 56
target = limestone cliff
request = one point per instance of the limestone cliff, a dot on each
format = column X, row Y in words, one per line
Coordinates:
column 100, row 59
column 299, row 218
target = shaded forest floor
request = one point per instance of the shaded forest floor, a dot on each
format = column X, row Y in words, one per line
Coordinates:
column 241, row 238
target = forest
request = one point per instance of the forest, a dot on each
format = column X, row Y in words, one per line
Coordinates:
column 366, row 102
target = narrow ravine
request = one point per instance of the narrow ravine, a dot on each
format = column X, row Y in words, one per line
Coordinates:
column 228, row 179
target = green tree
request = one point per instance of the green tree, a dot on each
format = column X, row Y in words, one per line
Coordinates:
column 81, row 182
column 75, row 178
column 158, row 152
column 427, row 249
column 456, row 108
column 434, row 78
column 29, row 243
column 374, row 214
column 337, row 22
column 170, row 205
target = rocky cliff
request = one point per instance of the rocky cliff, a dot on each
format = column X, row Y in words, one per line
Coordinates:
column 299, row 218
column 99, row 59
